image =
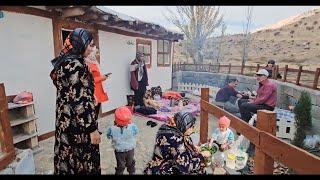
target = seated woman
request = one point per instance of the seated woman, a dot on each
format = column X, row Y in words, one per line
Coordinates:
column 174, row 151
column 149, row 101
column 270, row 66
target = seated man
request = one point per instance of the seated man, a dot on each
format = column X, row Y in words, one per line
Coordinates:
column 227, row 96
column 266, row 97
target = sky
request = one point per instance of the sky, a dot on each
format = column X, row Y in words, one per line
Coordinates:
column 234, row 16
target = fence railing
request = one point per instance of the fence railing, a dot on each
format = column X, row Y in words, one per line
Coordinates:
column 300, row 77
column 6, row 140
column 192, row 87
column 268, row 147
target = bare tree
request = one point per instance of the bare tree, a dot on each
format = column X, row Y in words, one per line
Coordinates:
column 246, row 34
column 220, row 49
column 197, row 23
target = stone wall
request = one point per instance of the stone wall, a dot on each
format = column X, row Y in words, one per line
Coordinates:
column 286, row 93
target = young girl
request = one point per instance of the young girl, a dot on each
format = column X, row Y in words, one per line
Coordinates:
column 222, row 135
column 99, row 93
column 123, row 134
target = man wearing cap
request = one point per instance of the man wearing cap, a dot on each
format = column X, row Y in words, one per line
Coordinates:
column 139, row 78
column 266, row 97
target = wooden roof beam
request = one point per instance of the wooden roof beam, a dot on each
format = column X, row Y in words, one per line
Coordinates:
column 72, row 12
column 89, row 16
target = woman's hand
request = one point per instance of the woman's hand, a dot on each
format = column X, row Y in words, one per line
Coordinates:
column 95, row 137
column 198, row 148
column 206, row 153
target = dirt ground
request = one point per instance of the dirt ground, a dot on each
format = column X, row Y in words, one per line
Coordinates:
column 143, row 150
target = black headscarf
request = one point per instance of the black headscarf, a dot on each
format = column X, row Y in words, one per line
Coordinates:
column 184, row 121
column 74, row 46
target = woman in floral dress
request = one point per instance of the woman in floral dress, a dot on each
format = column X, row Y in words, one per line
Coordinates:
column 174, row 152
column 76, row 149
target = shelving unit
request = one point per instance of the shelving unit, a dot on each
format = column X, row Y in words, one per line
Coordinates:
column 23, row 123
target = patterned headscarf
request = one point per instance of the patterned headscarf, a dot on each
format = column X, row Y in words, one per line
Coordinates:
column 184, row 121
column 74, row 46
column 140, row 65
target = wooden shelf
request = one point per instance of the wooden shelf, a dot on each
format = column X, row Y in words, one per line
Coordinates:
column 19, row 121
column 13, row 105
column 22, row 137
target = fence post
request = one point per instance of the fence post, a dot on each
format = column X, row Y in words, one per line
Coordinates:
column 285, row 73
column 316, row 79
column 5, row 124
column 229, row 71
column 277, row 72
column 242, row 67
column 266, row 121
column 218, row 67
column 274, row 72
column 204, row 117
column 258, row 67
column 299, row 75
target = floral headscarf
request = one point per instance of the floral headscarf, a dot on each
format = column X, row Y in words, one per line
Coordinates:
column 75, row 45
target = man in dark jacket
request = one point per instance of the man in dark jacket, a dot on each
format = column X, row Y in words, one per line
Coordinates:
column 139, row 78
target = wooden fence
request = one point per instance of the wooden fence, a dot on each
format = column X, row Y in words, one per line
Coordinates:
column 268, row 147
column 7, row 149
column 300, row 77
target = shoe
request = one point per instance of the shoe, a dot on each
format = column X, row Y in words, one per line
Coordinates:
column 149, row 123
column 153, row 124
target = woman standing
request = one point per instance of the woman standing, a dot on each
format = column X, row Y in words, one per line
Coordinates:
column 99, row 93
column 77, row 139
column 139, row 78
column 174, row 151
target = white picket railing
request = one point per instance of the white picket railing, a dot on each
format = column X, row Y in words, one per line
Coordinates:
column 196, row 88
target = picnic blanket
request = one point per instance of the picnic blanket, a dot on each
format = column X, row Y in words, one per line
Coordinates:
column 166, row 112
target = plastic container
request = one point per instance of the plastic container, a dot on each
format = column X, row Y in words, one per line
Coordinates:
column 241, row 159
column 231, row 161
column 218, row 159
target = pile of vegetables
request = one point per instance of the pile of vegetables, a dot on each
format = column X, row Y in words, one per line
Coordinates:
column 213, row 149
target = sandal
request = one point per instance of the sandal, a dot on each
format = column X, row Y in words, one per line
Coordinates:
column 153, row 124
column 149, row 123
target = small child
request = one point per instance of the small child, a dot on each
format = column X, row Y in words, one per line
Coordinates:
column 123, row 141
column 222, row 136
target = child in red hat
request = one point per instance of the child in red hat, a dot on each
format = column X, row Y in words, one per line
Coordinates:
column 122, row 134
column 222, row 136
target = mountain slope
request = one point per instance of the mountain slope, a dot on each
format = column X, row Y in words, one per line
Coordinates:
column 293, row 41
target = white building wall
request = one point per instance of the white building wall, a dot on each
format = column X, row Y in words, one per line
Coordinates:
column 26, row 49
column 116, row 55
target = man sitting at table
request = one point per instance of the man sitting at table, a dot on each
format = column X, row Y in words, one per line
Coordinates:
column 266, row 97
column 227, row 96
